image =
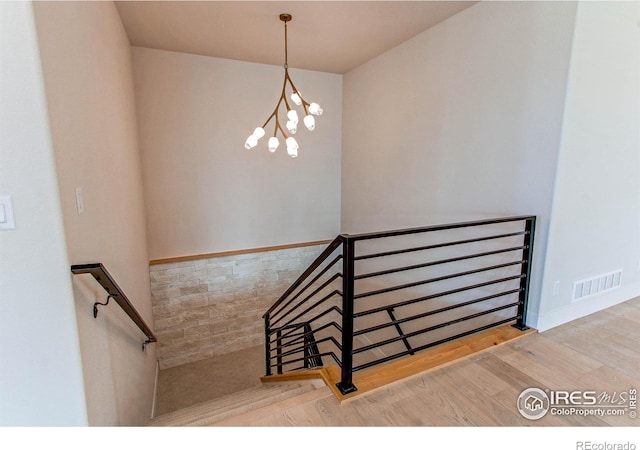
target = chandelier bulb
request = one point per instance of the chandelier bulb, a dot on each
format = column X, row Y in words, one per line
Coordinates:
column 251, row 142
column 292, row 147
column 315, row 109
column 295, row 98
column 293, row 116
column 258, row 132
column 309, row 122
column 292, row 127
column 273, row 144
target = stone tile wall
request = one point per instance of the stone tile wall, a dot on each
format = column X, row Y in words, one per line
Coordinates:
column 214, row 306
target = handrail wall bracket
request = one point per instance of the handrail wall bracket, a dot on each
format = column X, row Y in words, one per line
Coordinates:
column 96, row 304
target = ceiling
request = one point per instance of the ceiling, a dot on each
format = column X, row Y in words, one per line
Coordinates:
column 326, row 36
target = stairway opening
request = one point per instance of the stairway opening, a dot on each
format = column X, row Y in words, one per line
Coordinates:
column 209, row 379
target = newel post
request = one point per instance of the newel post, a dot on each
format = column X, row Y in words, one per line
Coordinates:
column 525, row 280
column 346, row 385
column 267, row 344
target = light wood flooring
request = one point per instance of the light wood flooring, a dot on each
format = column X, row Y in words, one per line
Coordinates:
column 600, row 352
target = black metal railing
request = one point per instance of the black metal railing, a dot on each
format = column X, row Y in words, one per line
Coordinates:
column 104, row 278
column 371, row 298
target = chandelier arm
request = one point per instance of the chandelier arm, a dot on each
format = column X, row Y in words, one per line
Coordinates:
column 304, row 106
column 282, row 97
column 278, row 126
column 294, row 89
column 269, row 119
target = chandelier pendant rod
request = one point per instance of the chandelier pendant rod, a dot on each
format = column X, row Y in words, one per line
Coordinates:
column 285, row 18
column 286, row 60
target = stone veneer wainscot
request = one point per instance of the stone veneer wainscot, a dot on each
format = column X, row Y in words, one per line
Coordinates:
column 214, row 306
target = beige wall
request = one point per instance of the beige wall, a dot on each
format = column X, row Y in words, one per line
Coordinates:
column 86, row 62
column 204, row 192
column 40, row 371
column 595, row 221
column 461, row 122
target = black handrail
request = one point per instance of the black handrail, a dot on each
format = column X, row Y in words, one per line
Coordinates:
column 102, row 276
column 434, row 246
column 314, row 299
column 450, row 226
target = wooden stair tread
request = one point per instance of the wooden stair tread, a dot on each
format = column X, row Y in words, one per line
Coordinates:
column 376, row 377
column 217, row 403
column 252, row 416
column 232, row 404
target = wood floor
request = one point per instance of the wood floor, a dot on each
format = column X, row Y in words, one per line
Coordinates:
column 375, row 377
column 599, row 353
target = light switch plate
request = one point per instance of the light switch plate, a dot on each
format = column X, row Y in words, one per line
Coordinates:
column 7, row 221
column 79, row 201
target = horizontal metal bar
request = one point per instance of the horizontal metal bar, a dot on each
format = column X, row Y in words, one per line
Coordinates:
column 434, row 246
column 295, row 337
column 299, row 347
column 316, row 304
column 316, row 278
column 435, row 263
column 299, row 325
column 289, row 324
column 451, row 226
column 302, row 347
column 435, row 311
column 294, row 327
column 432, row 344
column 433, row 280
column 301, row 302
column 336, row 243
column 297, row 360
column 434, row 327
column 437, row 295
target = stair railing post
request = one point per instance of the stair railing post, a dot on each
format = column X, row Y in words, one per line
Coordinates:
column 267, row 344
column 525, row 281
column 346, row 385
column 306, row 343
column 279, row 351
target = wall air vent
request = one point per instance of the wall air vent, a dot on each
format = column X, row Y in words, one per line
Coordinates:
column 596, row 285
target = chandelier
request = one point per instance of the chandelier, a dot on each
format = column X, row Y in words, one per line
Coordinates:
column 310, row 110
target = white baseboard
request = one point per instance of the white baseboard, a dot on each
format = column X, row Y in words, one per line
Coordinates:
column 155, row 390
column 554, row 318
